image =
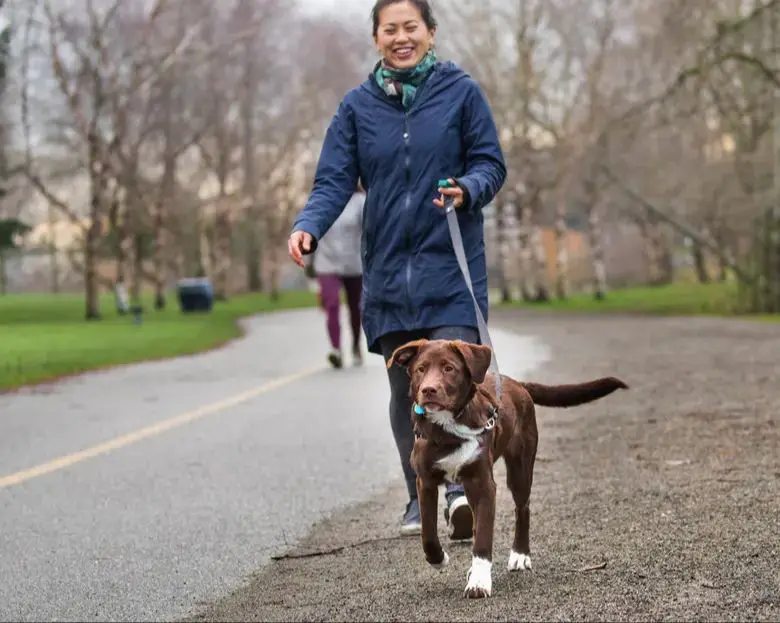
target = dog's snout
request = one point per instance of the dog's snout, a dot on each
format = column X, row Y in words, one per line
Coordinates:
column 429, row 391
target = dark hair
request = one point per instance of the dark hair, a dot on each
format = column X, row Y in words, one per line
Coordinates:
column 423, row 6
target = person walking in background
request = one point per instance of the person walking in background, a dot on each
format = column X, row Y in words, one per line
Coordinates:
column 337, row 264
column 414, row 121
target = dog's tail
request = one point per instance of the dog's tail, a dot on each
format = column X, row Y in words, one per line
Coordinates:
column 575, row 394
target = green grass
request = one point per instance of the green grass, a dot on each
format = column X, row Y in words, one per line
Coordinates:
column 682, row 298
column 43, row 337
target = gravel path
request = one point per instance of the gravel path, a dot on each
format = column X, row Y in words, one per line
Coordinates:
column 673, row 488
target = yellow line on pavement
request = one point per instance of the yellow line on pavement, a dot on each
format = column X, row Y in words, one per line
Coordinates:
column 151, row 431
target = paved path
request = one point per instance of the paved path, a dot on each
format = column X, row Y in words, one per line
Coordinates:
column 143, row 492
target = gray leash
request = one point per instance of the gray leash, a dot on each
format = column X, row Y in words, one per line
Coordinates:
column 460, row 254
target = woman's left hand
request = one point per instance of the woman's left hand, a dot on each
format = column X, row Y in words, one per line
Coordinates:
column 454, row 191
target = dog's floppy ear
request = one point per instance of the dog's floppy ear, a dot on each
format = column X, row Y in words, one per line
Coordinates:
column 404, row 354
column 477, row 358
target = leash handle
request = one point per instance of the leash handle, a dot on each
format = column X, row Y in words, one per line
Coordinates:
column 460, row 255
column 449, row 202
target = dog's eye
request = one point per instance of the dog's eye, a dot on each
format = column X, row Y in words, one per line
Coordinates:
column 420, row 369
column 448, row 368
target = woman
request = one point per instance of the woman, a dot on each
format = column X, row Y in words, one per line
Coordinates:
column 414, row 121
column 337, row 264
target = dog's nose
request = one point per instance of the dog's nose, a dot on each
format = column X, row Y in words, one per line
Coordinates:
column 428, row 391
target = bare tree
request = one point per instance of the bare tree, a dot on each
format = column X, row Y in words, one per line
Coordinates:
column 103, row 76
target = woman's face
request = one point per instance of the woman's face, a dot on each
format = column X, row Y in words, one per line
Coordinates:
column 402, row 38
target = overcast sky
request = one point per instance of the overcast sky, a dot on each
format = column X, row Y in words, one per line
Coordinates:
column 332, row 3
column 363, row 6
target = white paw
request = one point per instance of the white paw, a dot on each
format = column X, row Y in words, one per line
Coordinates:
column 444, row 562
column 479, row 584
column 518, row 562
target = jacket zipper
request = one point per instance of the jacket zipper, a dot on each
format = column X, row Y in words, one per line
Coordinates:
column 408, row 200
column 407, row 219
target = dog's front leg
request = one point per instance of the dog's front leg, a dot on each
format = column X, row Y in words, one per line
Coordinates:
column 481, row 495
column 428, row 496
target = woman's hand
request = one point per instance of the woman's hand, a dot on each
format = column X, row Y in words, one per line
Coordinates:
column 299, row 243
column 454, row 191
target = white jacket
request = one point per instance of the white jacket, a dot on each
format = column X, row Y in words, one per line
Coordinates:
column 338, row 251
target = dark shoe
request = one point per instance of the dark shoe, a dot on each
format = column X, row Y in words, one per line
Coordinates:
column 335, row 358
column 459, row 518
column 357, row 356
column 411, row 524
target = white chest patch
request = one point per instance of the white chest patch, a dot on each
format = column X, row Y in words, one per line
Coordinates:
column 452, row 463
column 468, row 451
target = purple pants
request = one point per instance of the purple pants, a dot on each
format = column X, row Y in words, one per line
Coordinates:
column 330, row 287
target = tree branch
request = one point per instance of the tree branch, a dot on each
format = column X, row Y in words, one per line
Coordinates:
column 667, row 217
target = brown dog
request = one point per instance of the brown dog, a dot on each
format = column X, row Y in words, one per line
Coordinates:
column 462, row 431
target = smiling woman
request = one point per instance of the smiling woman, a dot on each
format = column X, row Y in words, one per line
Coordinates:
column 415, row 120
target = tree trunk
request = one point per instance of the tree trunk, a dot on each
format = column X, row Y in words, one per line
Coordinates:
column 539, row 263
column 221, row 254
column 91, row 284
column 137, row 263
column 524, row 231
column 249, row 144
column 699, row 263
column 561, row 250
column 98, row 183
column 205, row 246
column 723, row 270
column 770, row 264
column 54, row 267
column 124, row 251
column 596, row 242
column 159, row 255
column 501, row 243
column 254, row 273
column 122, row 242
column 595, row 237
column 653, row 269
column 663, row 253
column 221, row 250
column 54, row 264
column 720, row 238
column 166, row 195
column 275, row 274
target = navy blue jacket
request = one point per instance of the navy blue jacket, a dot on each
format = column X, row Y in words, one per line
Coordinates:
column 411, row 278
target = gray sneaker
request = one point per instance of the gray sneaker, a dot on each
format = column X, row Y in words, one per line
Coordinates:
column 411, row 524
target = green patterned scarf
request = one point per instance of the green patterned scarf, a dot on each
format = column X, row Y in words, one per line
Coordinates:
column 403, row 83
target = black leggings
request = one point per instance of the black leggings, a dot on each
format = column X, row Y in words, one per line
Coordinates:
column 401, row 401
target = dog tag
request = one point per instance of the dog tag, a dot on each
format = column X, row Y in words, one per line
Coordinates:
column 419, row 410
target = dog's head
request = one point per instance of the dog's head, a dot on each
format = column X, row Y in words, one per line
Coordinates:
column 442, row 372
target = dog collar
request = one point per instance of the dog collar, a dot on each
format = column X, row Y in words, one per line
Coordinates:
column 489, row 425
column 493, row 411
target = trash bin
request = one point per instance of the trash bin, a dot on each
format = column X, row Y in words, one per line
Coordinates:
column 195, row 294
